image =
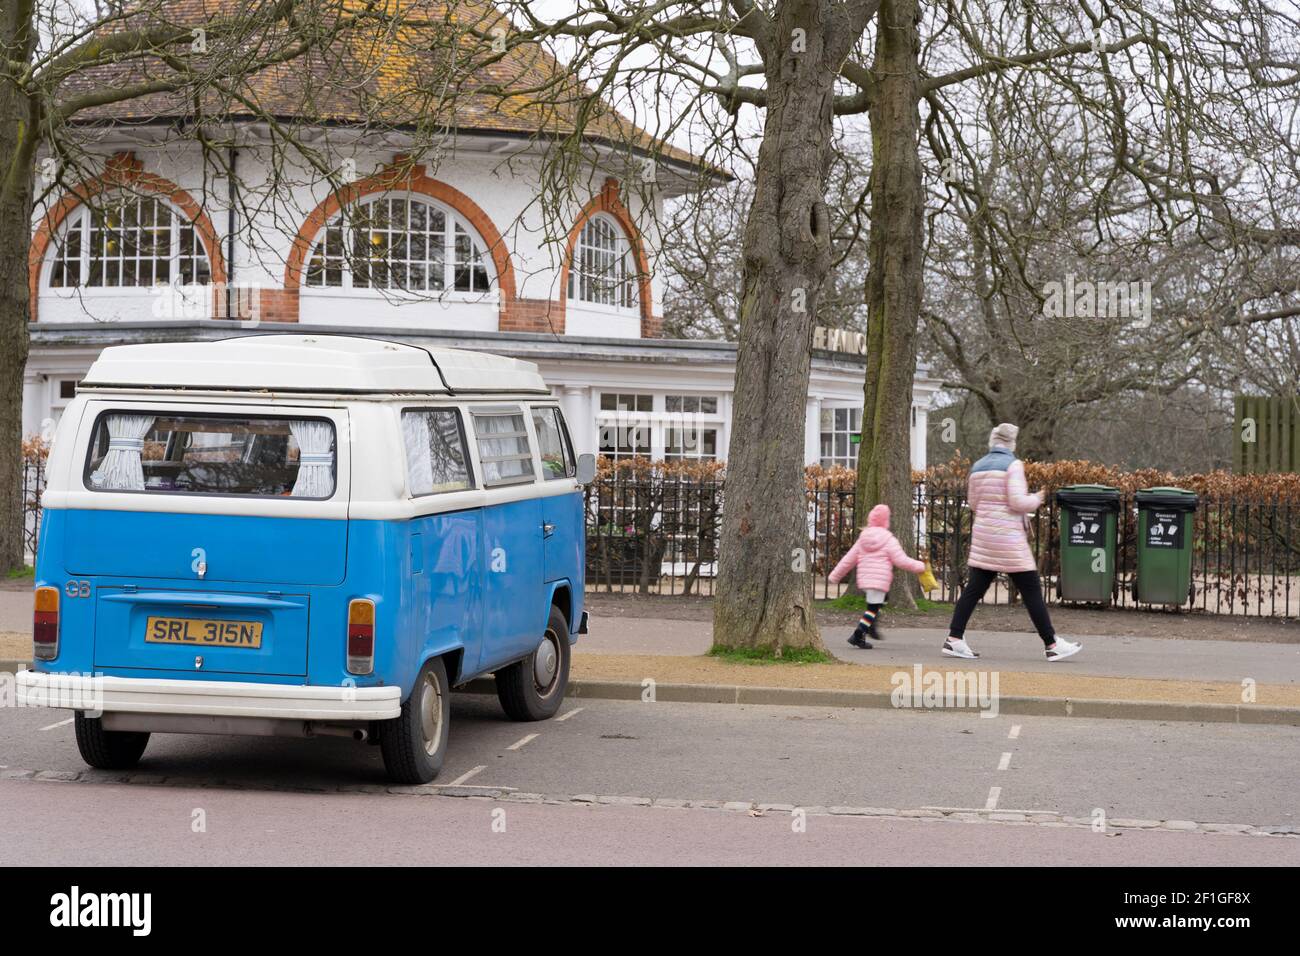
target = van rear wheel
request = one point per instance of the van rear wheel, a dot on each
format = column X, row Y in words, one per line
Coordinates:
column 414, row 743
column 108, row 749
column 533, row 689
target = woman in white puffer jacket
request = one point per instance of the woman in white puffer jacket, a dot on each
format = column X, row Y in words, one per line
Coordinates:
column 1000, row 498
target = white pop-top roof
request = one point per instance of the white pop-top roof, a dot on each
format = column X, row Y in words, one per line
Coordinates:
column 310, row 363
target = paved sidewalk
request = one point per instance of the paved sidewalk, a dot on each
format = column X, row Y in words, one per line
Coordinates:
column 1102, row 656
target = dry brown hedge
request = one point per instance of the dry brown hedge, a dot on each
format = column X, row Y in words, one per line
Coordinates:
column 951, row 476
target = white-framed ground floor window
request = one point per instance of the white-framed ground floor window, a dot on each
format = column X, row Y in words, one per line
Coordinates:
column 841, row 429
column 673, row 426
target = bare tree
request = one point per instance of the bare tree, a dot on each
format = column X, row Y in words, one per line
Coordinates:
column 703, row 236
column 1114, row 230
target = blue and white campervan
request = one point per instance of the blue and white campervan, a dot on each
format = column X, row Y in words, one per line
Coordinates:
column 303, row 535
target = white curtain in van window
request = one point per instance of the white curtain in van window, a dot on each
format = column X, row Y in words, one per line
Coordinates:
column 315, row 459
column 122, row 468
column 419, row 466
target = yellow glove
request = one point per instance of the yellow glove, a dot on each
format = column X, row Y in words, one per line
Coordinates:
column 927, row 579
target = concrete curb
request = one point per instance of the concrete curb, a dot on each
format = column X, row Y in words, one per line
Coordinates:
column 1016, row 706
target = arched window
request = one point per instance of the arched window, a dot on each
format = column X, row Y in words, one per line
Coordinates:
column 399, row 243
column 603, row 270
column 128, row 241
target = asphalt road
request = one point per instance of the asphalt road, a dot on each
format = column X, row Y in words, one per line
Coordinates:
column 805, row 757
column 112, row 824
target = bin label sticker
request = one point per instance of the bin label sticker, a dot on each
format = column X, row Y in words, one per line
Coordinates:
column 1164, row 529
column 1087, row 529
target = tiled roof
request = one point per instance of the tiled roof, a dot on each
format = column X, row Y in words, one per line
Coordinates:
column 387, row 76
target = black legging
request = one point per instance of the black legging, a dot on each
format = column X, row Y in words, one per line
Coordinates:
column 1026, row 583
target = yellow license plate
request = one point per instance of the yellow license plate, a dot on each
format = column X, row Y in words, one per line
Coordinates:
column 201, row 633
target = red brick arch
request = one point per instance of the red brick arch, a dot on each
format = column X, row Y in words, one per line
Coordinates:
column 123, row 171
column 607, row 201
column 400, row 175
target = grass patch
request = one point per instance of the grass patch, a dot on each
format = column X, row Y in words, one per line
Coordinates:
column 856, row 602
column 20, row 573
column 765, row 655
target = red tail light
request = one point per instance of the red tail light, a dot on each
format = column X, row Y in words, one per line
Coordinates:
column 45, row 625
column 361, row 636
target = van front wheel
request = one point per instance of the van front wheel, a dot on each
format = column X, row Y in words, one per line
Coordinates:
column 533, row 689
column 414, row 744
column 108, row 749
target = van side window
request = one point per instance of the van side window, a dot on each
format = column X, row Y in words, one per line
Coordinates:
column 435, row 451
column 503, row 448
column 553, row 444
column 208, row 454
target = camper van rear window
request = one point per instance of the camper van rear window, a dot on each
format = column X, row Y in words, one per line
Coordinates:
column 212, row 455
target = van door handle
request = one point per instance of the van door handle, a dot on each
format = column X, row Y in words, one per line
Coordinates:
column 548, row 529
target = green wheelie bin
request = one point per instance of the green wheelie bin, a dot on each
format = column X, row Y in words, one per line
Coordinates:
column 1088, row 517
column 1164, row 546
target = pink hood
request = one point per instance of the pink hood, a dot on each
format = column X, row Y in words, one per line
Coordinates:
column 875, row 555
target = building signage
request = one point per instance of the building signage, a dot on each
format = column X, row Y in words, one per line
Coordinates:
column 839, row 340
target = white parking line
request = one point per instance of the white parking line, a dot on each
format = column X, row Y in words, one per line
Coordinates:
column 61, row 723
column 519, row 743
column 1005, row 762
column 1015, row 732
column 466, row 775
column 568, row 714
column 987, row 810
column 992, row 802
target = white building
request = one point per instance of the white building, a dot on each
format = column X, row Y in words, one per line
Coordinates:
column 157, row 245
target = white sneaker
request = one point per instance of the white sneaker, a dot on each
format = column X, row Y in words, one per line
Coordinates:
column 957, row 647
column 1062, row 649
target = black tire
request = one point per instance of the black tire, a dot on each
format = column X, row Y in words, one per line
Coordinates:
column 108, row 749
column 414, row 744
column 523, row 694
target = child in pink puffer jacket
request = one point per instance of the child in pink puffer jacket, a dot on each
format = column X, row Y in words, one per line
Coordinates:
column 875, row 555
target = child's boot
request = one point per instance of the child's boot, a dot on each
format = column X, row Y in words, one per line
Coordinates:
column 859, row 638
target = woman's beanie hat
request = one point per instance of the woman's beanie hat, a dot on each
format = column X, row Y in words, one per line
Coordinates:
column 1004, row 435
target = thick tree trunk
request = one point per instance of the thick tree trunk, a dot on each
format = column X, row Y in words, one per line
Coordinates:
column 765, row 581
column 894, row 281
column 17, row 129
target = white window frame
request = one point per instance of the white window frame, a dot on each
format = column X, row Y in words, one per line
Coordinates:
column 626, row 283
column 80, row 219
column 831, row 460
column 453, row 221
column 698, row 453
column 658, row 420
column 625, row 418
